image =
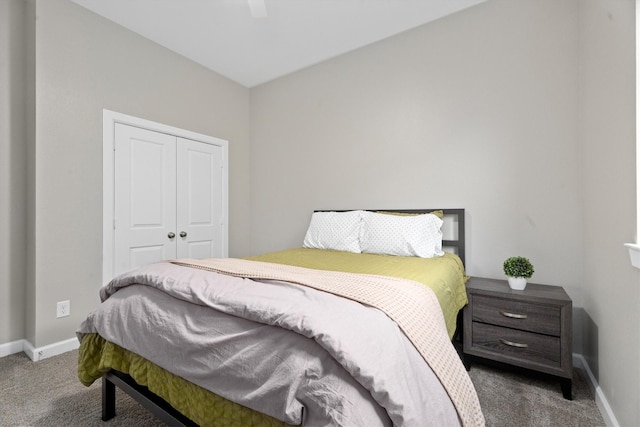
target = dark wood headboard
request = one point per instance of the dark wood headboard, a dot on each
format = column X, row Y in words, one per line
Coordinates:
column 453, row 222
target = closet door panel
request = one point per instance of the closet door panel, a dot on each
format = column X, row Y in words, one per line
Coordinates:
column 200, row 199
column 145, row 197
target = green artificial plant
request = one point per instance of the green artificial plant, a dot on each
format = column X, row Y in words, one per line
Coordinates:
column 518, row 266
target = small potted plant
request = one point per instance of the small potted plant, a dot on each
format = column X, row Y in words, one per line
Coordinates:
column 518, row 269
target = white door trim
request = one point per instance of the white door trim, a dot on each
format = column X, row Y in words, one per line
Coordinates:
column 109, row 120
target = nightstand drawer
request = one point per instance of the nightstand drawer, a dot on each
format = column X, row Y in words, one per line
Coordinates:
column 539, row 318
column 524, row 346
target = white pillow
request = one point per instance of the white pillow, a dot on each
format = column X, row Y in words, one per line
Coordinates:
column 339, row 231
column 414, row 235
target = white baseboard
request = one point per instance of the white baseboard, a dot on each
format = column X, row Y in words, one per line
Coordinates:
column 601, row 401
column 11, row 348
column 39, row 353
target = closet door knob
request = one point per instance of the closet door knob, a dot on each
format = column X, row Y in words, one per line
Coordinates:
column 171, row 235
column 183, row 234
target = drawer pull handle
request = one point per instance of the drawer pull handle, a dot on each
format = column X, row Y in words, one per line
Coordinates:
column 513, row 344
column 513, row 315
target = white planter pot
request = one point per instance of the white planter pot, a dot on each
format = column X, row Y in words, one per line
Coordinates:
column 517, row 283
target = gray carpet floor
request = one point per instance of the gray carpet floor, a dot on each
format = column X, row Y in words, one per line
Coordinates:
column 525, row 399
column 47, row 393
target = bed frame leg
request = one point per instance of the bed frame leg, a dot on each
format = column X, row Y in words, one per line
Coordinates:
column 158, row 407
column 108, row 399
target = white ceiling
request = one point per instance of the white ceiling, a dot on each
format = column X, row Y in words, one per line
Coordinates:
column 223, row 36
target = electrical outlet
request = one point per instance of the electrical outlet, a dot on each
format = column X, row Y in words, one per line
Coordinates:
column 63, row 309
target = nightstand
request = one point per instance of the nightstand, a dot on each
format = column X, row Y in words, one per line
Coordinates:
column 530, row 328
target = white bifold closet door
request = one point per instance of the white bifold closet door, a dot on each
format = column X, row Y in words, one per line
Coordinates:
column 168, row 198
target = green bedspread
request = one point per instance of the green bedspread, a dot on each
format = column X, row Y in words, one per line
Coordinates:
column 444, row 275
column 97, row 356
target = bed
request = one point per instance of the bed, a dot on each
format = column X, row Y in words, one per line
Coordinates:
column 319, row 335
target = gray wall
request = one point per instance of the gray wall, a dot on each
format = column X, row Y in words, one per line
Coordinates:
column 84, row 63
column 608, row 146
column 477, row 110
column 13, row 174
